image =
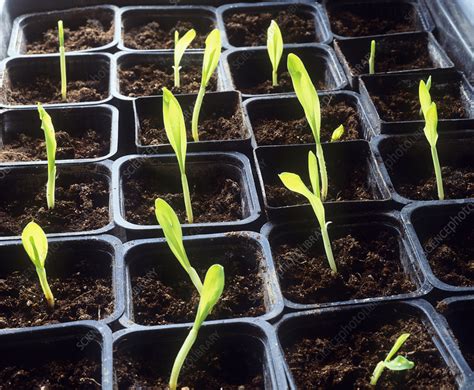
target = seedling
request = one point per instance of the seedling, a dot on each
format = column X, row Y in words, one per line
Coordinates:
column 212, row 53
column 50, row 137
column 294, row 183
column 308, row 98
column 35, row 244
column 180, row 46
column 169, row 222
column 400, row 363
column 175, row 128
column 430, row 113
column 372, row 57
column 275, row 49
column 211, row 292
column 428, row 87
column 62, row 60
column 337, row 134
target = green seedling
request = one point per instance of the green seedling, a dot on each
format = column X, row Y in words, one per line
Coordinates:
column 337, row 134
column 169, row 222
column 211, row 292
column 50, row 137
column 212, row 53
column 35, row 244
column 62, row 60
column 372, row 57
column 428, row 87
column 308, row 98
column 275, row 49
column 180, row 46
column 294, row 183
column 175, row 128
column 430, row 114
column 400, row 363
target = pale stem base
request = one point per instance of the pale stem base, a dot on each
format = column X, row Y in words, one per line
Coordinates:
column 439, row 177
column 45, row 287
column 181, row 357
column 187, row 198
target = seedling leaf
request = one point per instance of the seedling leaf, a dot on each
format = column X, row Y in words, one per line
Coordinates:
column 62, row 60
column 275, row 49
column 181, row 44
column 337, row 134
column 372, row 57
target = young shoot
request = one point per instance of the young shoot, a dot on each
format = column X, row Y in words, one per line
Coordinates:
column 50, row 137
column 337, row 134
column 35, row 244
column 400, row 363
column 169, row 222
column 308, row 98
column 430, row 114
column 180, row 46
column 175, row 128
column 211, row 292
column 275, row 49
column 428, row 87
column 62, row 60
column 372, row 57
column 294, row 183
column 212, row 53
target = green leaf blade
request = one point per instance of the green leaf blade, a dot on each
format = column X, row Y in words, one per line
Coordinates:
column 424, row 96
column 400, row 363
column 212, row 54
column 35, row 243
column 182, row 44
column 211, row 292
column 274, row 48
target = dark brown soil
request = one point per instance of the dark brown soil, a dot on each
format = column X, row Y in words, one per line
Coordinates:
column 368, row 264
column 163, row 293
column 323, row 362
column 86, row 144
column 244, row 29
column 149, row 79
column 452, row 261
column 81, row 204
column 458, row 184
column 214, row 197
column 83, row 294
column 355, row 189
column 87, row 33
column 233, row 366
column 395, row 55
column 271, row 130
column 154, row 35
column 401, row 102
column 45, row 89
column 60, row 374
column 357, row 21
column 215, row 126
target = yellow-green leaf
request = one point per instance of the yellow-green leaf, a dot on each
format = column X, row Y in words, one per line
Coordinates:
column 424, row 96
column 314, row 173
column 211, row 292
column 337, row 134
column 274, row 45
column 181, row 44
column 35, row 243
column 212, row 54
column 431, row 124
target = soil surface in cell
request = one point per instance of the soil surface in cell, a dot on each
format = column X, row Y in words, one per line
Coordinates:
column 452, row 260
column 88, row 33
column 400, row 101
column 218, row 125
column 149, row 79
column 250, row 29
column 83, row 294
column 270, row 129
column 316, row 362
column 155, row 35
column 82, row 203
column 232, row 366
column 368, row 262
column 65, row 373
column 86, row 144
column 215, row 197
column 160, row 298
column 360, row 21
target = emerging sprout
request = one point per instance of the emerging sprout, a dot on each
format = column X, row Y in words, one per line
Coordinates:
column 308, row 98
column 176, row 132
column 180, row 46
column 50, row 137
column 62, row 60
column 36, row 246
column 169, row 222
column 212, row 54
column 275, row 49
column 294, row 183
column 372, row 57
column 337, row 134
column 428, row 87
column 211, row 292
column 430, row 113
column 400, row 363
